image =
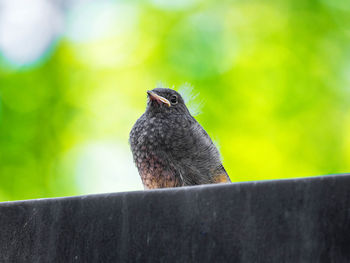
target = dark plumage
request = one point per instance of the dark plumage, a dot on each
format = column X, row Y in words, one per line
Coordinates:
column 170, row 148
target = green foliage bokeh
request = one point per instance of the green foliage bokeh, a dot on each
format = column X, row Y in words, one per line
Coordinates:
column 273, row 78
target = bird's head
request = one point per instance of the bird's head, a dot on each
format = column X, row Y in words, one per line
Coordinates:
column 166, row 101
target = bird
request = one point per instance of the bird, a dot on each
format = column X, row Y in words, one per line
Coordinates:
column 170, row 148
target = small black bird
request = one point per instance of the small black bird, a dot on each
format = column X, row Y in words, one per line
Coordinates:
column 170, row 148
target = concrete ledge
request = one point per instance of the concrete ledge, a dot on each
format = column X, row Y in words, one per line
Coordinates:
column 302, row 220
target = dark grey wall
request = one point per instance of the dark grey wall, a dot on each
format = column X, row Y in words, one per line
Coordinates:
column 304, row 220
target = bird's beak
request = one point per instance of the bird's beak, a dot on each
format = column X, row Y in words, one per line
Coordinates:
column 154, row 96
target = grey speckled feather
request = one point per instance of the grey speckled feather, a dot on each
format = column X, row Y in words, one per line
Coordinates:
column 170, row 148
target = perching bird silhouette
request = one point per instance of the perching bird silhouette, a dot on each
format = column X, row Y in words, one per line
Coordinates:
column 170, row 148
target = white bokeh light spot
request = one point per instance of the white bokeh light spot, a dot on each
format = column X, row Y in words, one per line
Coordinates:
column 27, row 28
column 104, row 167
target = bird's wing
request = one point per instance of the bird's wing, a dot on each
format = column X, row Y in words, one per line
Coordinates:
column 199, row 157
column 220, row 175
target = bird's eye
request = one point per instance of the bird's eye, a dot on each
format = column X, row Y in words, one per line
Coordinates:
column 173, row 99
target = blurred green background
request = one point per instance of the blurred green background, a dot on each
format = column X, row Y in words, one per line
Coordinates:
column 271, row 78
